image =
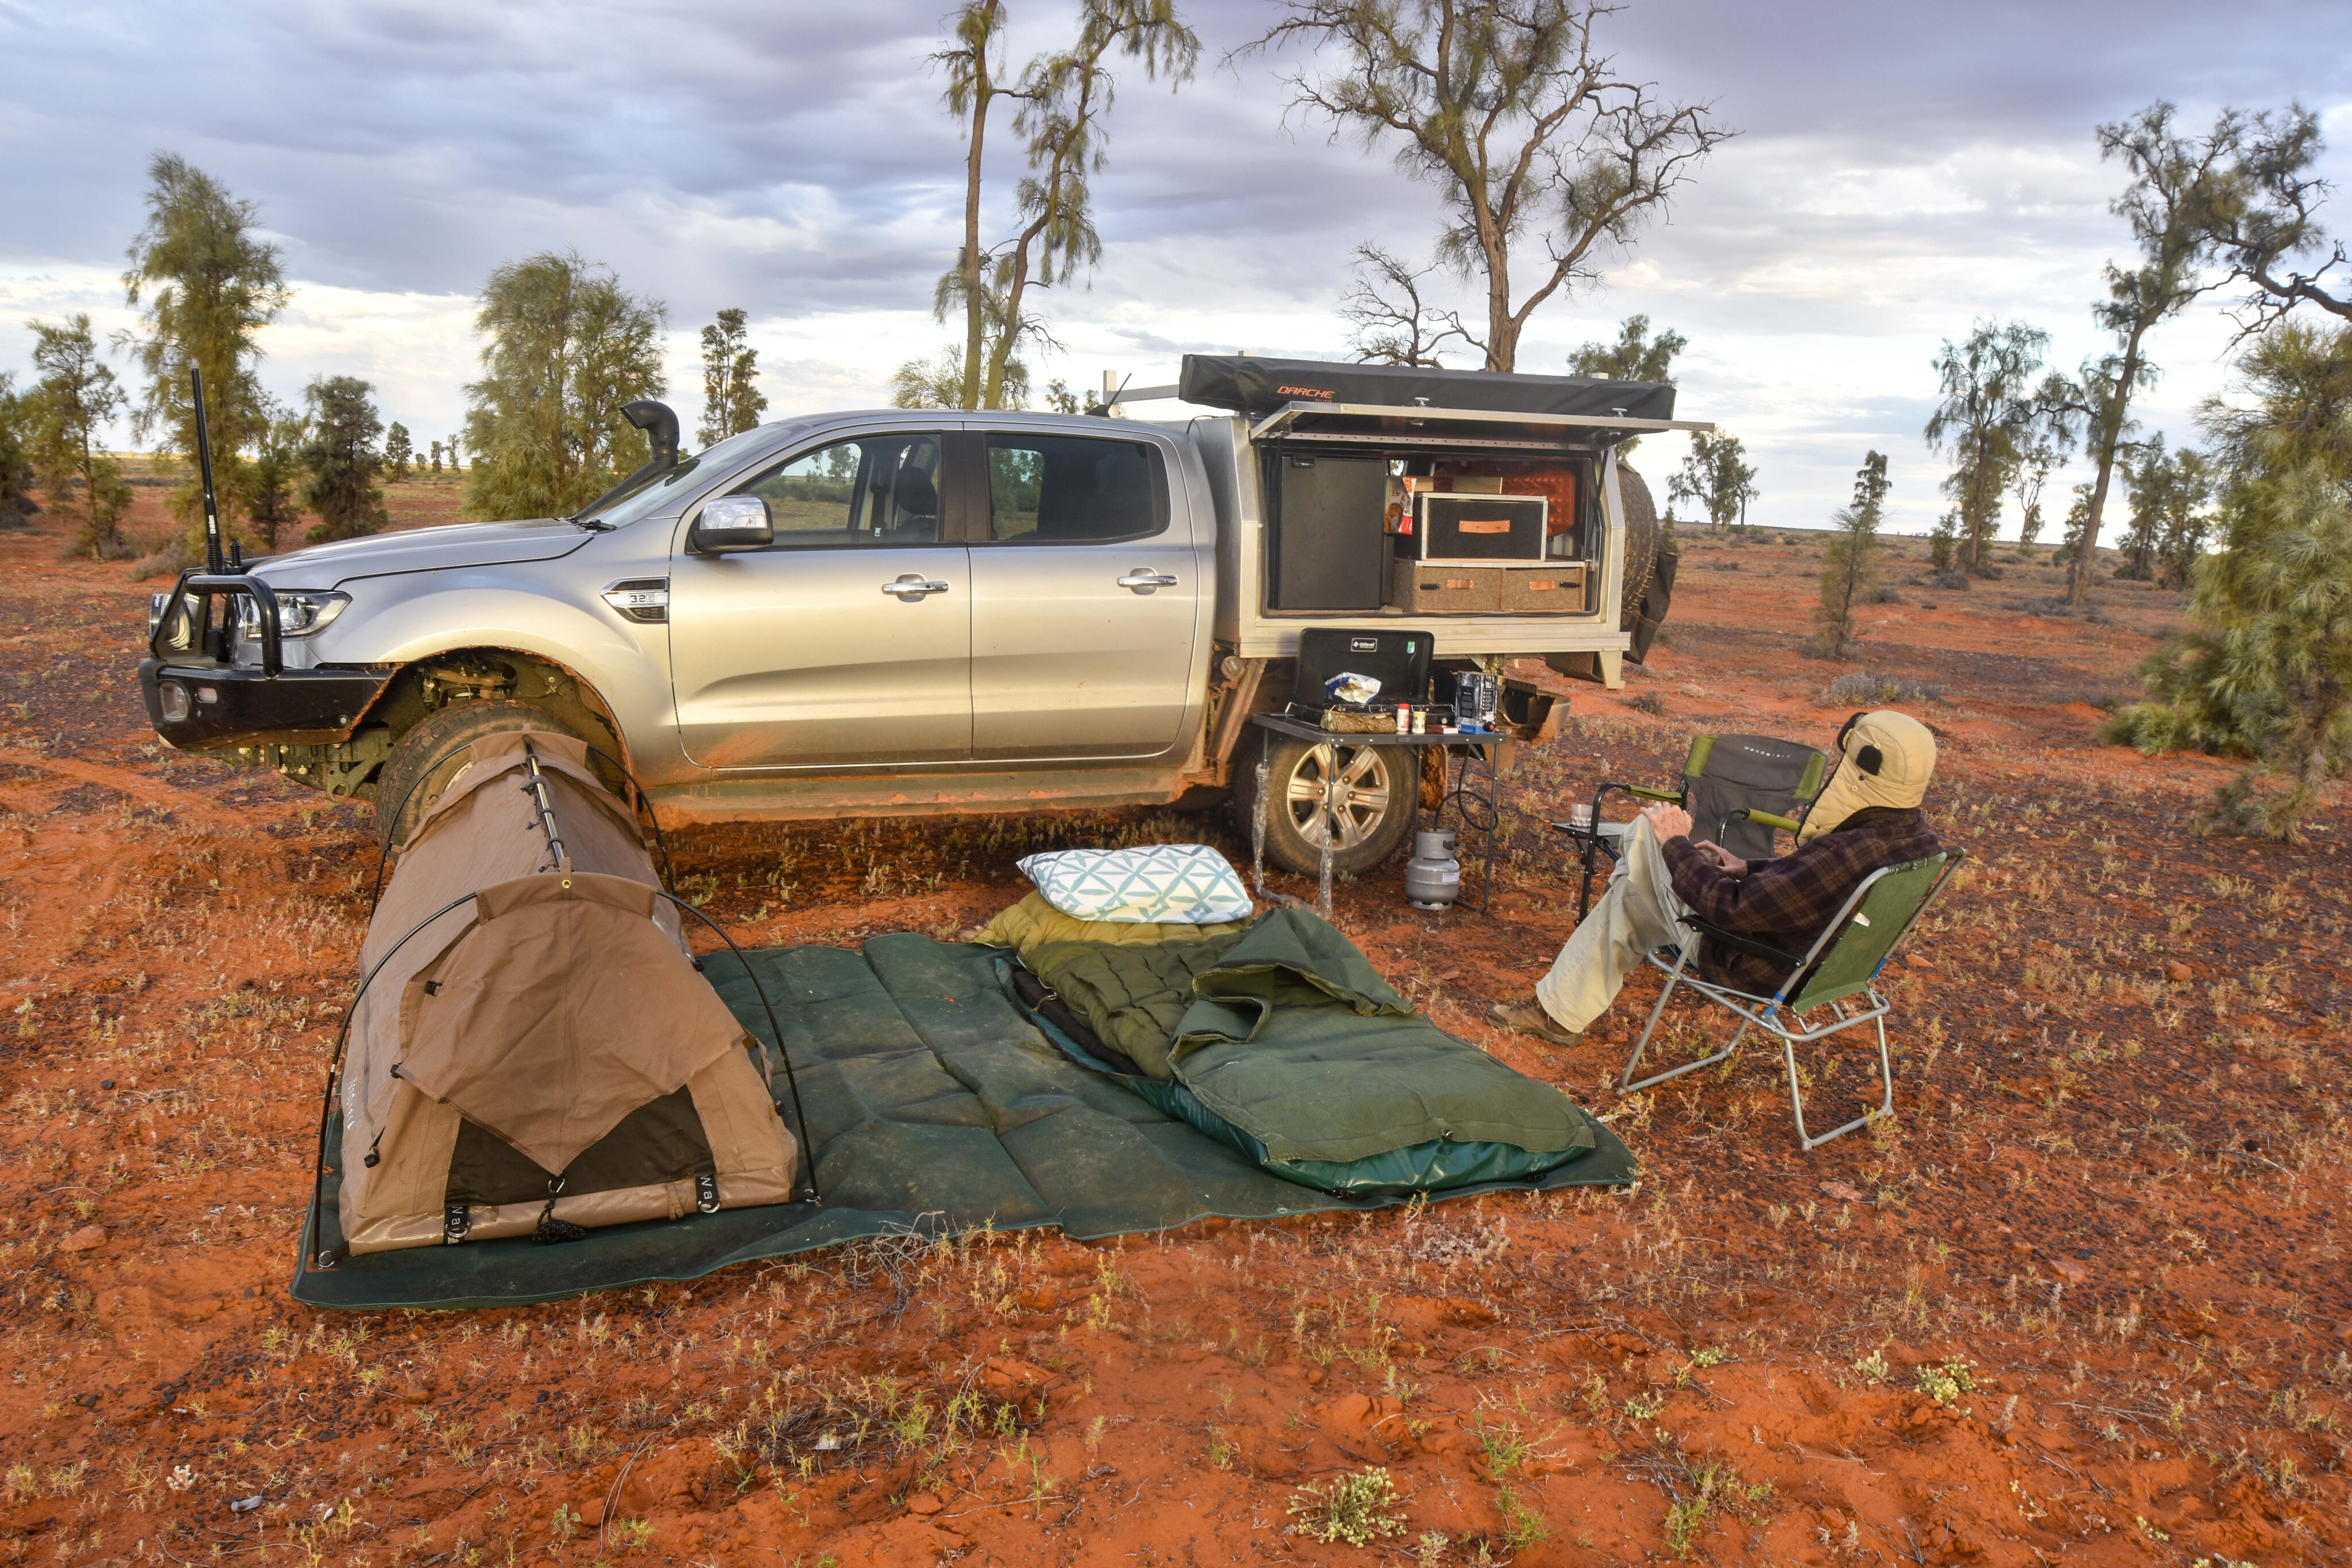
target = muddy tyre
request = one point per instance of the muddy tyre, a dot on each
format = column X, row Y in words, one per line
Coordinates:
column 403, row 793
column 1360, row 799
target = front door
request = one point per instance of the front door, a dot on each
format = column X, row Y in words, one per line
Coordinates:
column 1085, row 594
column 849, row 640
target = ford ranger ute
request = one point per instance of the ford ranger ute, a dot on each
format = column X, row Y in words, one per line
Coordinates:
column 947, row 610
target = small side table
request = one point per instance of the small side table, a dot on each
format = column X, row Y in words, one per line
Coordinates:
column 1600, row 839
column 1478, row 764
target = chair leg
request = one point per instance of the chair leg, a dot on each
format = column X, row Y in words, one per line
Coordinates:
column 1625, row 1084
column 1797, row 1100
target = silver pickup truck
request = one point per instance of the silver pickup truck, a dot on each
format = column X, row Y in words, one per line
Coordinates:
column 868, row 614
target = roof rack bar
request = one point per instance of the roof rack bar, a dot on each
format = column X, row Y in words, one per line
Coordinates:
column 1139, row 395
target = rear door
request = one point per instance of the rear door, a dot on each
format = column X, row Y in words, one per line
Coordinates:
column 847, row 641
column 1085, row 598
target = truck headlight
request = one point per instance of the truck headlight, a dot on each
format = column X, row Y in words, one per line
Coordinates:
column 301, row 612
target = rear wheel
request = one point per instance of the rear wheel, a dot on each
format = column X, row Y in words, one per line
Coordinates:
column 1359, row 799
column 404, row 792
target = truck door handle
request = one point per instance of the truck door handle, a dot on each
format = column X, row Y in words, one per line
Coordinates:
column 1145, row 581
column 912, row 586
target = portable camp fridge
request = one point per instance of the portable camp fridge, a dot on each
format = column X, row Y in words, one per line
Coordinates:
column 1330, row 543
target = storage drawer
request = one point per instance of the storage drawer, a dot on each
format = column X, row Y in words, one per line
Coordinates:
column 1420, row 589
column 1559, row 589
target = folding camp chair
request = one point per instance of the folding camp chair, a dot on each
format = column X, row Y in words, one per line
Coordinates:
column 1843, row 961
column 1737, row 788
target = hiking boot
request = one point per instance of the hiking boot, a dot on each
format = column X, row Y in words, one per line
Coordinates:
column 1529, row 1017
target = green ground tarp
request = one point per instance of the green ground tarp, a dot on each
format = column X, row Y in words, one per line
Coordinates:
column 932, row 1104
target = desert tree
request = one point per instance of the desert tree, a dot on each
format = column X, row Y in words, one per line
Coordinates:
column 1524, row 123
column 2260, row 215
column 17, row 502
column 1390, row 320
column 76, row 398
column 939, row 382
column 399, row 450
column 2167, row 522
column 1850, row 563
column 2265, row 671
column 2145, row 471
column 2167, row 203
column 2043, row 457
column 341, row 459
column 1635, row 356
column 276, row 472
column 2188, row 517
column 1990, row 414
column 1063, row 96
column 567, row 348
column 452, row 444
column 732, row 402
column 436, row 460
column 206, row 284
column 1716, row 475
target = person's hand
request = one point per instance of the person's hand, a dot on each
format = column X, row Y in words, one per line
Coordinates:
column 1722, row 859
column 1667, row 821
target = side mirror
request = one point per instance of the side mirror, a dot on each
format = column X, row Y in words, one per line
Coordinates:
column 731, row 523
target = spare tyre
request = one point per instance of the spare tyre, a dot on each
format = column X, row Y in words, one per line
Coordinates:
column 1650, row 562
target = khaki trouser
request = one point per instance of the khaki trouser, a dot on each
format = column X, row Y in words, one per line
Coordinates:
column 1639, row 913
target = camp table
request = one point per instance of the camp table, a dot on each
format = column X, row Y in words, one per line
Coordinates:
column 1481, row 760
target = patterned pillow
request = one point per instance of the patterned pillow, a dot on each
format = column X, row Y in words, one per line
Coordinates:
column 1187, row 884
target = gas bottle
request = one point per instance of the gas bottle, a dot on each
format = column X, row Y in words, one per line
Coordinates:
column 1433, row 877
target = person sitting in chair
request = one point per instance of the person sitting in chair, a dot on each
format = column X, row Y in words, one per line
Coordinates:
column 1866, row 818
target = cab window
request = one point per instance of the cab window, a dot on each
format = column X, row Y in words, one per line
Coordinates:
column 871, row 490
column 1071, row 489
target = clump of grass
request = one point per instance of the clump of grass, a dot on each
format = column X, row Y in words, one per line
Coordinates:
column 1944, row 1382
column 1649, row 703
column 1357, row 1509
column 1848, row 690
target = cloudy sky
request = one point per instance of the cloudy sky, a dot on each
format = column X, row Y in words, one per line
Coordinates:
column 1903, row 170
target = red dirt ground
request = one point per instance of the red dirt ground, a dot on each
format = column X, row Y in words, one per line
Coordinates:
column 2113, row 1199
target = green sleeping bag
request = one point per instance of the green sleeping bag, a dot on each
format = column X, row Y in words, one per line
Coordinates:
column 1283, row 1042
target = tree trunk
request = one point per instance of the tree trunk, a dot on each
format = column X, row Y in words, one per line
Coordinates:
column 1502, row 332
column 2078, row 579
column 975, row 314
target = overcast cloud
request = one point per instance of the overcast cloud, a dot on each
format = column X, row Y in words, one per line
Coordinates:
column 1903, row 170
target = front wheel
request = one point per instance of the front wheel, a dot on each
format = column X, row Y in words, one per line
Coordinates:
column 437, row 745
column 1359, row 800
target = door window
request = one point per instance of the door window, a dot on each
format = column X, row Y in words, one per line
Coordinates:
column 1072, row 490
column 873, row 490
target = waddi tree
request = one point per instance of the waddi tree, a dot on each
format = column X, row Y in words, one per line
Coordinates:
column 1526, row 127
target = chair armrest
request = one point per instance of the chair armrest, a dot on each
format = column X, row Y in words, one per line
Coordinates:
column 1647, row 793
column 1770, row 818
column 1747, row 945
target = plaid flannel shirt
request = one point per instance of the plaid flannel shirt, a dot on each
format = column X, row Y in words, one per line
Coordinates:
column 1787, row 902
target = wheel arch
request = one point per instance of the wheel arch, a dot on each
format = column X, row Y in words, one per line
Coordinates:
column 422, row 685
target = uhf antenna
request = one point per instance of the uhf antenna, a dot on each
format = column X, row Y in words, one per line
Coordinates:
column 213, row 561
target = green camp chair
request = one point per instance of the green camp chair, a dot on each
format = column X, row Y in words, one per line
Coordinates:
column 1842, row 963
column 1737, row 788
